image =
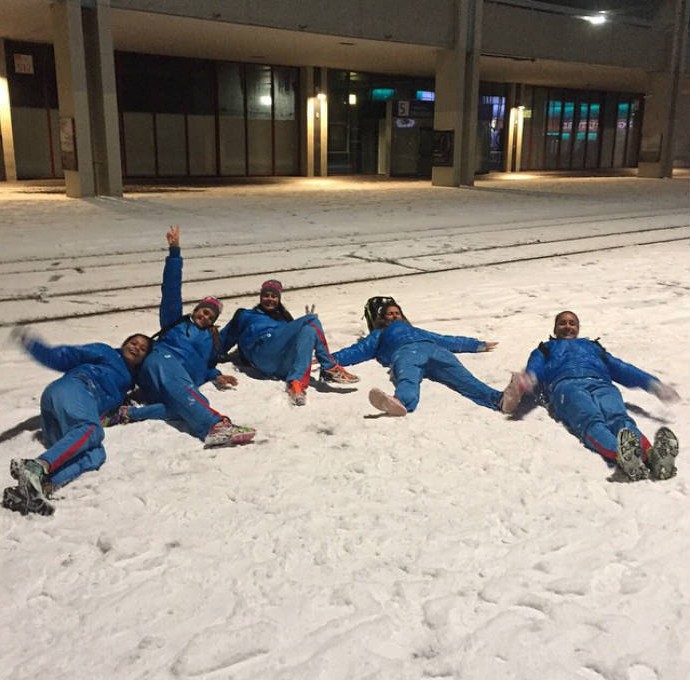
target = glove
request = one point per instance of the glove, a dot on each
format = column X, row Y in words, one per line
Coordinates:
column 664, row 392
column 225, row 382
column 21, row 336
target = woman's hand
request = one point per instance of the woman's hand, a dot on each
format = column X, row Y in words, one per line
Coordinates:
column 489, row 346
column 225, row 382
column 664, row 392
column 173, row 236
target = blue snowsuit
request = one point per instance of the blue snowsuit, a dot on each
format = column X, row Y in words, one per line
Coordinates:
column 96, row 380
column 413, row 354
column 278, row 348
column 181, row 360
column 575, row 377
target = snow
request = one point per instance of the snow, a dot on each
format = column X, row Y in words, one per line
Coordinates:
column 341, row 545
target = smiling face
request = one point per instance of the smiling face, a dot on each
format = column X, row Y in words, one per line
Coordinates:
column 269, row 300
column 204, row 317
column 567, row 326
column 135, row 348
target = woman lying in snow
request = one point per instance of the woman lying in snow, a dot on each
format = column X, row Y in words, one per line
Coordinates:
column 575, row 378
column 281, row 347
column 96, row 379
column 413, row 354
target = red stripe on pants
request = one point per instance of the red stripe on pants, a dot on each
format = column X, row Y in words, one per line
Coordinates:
column 59, row 462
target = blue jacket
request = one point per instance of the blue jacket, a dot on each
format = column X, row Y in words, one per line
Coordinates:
column 191, row 345
column 249, row 327
column 101, row 367
column 382, row 343
column 557, row 360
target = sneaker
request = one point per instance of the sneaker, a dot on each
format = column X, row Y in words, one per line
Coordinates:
column 520, row 383
column 30, row 476
column 296, row 393
column 338, row 374
column 118, row 416
column 629, row 456
column 661, row 458
column 16, row 499
column 225, row 433
column 385, row 402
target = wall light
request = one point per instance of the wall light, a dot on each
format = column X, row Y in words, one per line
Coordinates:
column 265, row 99
column 352, row 99
column 321, row 97
column 595, row 19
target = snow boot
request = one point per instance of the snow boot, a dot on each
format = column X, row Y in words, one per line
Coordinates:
column 661, row 458
column 16, row 499
column 629, row 456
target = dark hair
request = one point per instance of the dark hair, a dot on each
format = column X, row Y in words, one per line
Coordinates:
column 560, row 314
column 381, row 321
column 139, row 335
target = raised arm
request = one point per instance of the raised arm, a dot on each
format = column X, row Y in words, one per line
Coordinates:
column 171, row 289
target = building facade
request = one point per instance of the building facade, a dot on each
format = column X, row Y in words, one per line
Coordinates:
column 100, row 90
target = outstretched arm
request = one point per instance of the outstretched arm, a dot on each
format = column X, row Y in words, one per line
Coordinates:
column 360, row 351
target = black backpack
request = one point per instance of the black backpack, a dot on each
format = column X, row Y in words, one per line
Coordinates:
column 373, row 308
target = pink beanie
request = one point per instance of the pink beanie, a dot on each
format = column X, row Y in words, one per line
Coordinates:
column 212, row 303
column 274, row 285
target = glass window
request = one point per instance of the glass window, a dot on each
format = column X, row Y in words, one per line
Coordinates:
column 284, row 92
column 230, row 90
column 259, row 92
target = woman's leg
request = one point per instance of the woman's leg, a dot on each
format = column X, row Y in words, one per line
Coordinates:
column 288, row 352
column 164, row 380
column 577, row 403
column 71, row 407
column 445, row 368
column 407, row 371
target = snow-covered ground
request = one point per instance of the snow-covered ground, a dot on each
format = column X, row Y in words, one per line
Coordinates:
column 454, row 543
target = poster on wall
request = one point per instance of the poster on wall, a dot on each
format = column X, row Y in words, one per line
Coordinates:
column 443, row 148
column 68, row 145
column 24, row 63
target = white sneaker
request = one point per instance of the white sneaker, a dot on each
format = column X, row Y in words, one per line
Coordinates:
column 386, row 403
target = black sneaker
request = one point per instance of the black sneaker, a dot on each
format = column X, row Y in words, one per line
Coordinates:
column 31, row 476
column 16, row 499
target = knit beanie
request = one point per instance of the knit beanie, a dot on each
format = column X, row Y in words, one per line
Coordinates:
column 273, row 285
column 211, row 303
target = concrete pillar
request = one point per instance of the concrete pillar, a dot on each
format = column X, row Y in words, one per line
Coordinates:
column 314, row 85
column 661, row 103
column 323, row 123
column 8, row 157
column 307, row 117
column 457, row 99
column 89, row 130
column 102, row 89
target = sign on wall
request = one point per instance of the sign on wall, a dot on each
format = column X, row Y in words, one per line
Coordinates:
column 24, row 63
column 443, row 148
